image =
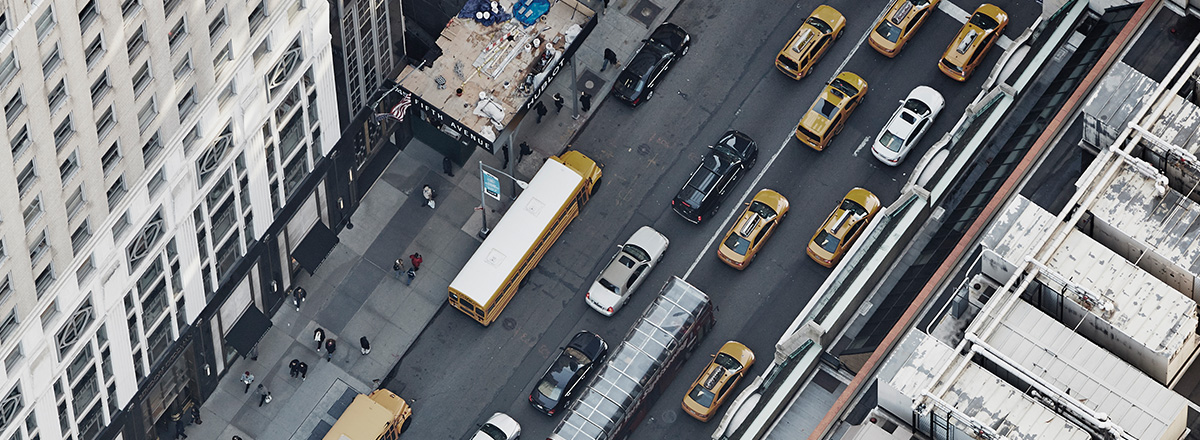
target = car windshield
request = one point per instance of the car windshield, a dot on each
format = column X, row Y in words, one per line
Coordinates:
column 854, row 207
column 841, row 85
column 555, row 380
column 725, row 146
column 492, row 431
column 761, row 209
column 728, row 362
column 644, row 62
column 888, row 31
column 737, row 244
column 826, row 241
column 983, row 21
column 636, row 252
column 819, row 24
column 702, row 396
column 890, row 141
column 916, row 106
column 825, row 108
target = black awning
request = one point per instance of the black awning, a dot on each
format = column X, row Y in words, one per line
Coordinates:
column 249, row 329
column 315, row 246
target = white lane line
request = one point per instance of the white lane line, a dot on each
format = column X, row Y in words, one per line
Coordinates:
column 861, row 145
column 962, row 16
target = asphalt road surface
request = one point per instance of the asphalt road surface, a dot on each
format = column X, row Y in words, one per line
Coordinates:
column 458, row 373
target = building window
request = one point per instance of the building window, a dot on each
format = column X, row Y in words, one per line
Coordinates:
column 217, row 27
column 186, row 104
column 69, row 167
column 6, row 289
column 157, row 181
column 26, row 178
column 111, row 157
column 9, row 325
column 94, row 50
column 207, row 163
column 100, row 88
column 39, row 248
column 120, row 227
column 20, row 142
column 228, row 93
column 130, row 7
column 258, row 16
column 105, row 124
column 57, row 96
column 221, row 59
column 33, row 212
column 8, row 69
column 151, row 149
column 116, row 192
column 147, row 114
column 262, row 51
column 87, row 15
column 144, row 242
column 141, row 79
column 52, row 61
column 63, row 133
column 49, row 314
column 81, row 236
column 190, row 140
column 136, row 43
column 177, row 33
column 85, row 270
column 75, row 202
column 14, row 107
column 184, row 67
column 4, row 27
column 74, row 329
column 45, row 23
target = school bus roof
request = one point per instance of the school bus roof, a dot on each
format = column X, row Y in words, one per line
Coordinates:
column 517, row 231
column 368, row 416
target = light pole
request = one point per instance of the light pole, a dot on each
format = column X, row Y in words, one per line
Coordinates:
column 483, row 194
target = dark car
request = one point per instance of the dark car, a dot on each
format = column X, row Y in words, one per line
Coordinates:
column 584, row 353
column 636, row 83
column 720, row 169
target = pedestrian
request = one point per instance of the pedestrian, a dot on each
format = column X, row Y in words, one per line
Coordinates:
column 609, row 57
column 254, row 352
column 504, row 149
column 398, row 268
column 525, row 151
column 585, row 101
column 429, row 195
column 294, row 367
column 447, row 166
column 330, row 347
column 303, row 369
column 558, row 102
column 541, row 110
column 416, row 260
column 366, row 345
column 319, row 336
column 264, row 395
column 605, row 7
column 247, row 379
column 179, row 427
column 298, row 296
column 411, row 275
column 196, row 415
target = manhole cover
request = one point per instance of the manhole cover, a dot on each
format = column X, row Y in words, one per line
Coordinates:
column 670, row 416
column 509, row 323
column 643, row 149
column 645, row 12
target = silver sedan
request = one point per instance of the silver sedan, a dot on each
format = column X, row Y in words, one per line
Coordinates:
column 628, row 268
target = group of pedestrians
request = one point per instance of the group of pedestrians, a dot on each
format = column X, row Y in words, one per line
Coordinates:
column 409, row 274
column 263, row 393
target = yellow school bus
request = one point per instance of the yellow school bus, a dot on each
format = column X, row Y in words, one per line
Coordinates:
column 534, row 221
column 381, row 415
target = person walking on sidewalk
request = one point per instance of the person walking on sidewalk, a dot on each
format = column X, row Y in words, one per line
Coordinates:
column 179, row 429
column 247, row 379
column 319, row 336
column 298, row 296
column 504, row 149
column 416, row 260
column 398, row 268
column 366, row 345
column 585, row 101
column 447, row 166
column 609, row 57
column 540, row 108
column 525, row 151
column 264, row 395
column 303, row 370
column 427, row 192
column 409, row 276
column 294, row 367
column 558, row 103
column 330, row 347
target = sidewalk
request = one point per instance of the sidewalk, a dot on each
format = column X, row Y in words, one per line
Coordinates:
column 354, row 293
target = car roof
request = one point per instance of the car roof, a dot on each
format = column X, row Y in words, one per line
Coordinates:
column 971, row 37
column 817, row 122
column 669, row 35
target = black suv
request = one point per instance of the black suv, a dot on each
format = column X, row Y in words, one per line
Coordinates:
column 720, row 169
column 636, row 83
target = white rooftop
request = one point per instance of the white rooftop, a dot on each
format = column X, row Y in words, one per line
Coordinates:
column 1170, row 224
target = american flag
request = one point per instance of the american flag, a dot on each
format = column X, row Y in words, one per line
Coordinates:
column 397, row 112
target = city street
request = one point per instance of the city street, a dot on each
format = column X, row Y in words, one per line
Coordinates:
column 458, row 373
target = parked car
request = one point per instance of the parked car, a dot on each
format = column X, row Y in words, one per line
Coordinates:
column 828, row 114
column 718, row 380
column 899, row 24
column 973, row 41
column 626, row 271
column 584, row 353
column 907, row 125
column 720, row 169
column 811, row 41
column 636, row 83
column 498, row 427
column 842, row 227
column 753, row 228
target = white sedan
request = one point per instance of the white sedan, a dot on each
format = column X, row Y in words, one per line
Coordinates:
column 499, row 427
column 628, row 268
column 907, row 125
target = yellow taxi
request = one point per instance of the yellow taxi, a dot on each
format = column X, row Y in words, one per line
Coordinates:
column 811, row 41
column 899, row 24
column 828, row 114
column 973, row 41
column 753, row 227
column 717, row 380
column 843, row 226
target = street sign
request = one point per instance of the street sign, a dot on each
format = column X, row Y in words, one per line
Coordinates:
column 491, row 185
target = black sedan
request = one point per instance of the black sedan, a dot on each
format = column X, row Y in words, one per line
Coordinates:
column 636, row 83
column 584, row 353
column 720, row 169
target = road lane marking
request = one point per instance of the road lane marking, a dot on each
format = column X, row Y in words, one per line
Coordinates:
column 857, row 45
column 962, row 16
column 861, row 145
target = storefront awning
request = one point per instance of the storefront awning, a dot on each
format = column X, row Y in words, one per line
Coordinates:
column 315, row 246
column 249, row 329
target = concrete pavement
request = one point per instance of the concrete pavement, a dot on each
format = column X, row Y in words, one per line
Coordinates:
column 354, row 293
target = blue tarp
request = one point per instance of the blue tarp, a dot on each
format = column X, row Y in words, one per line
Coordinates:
column 528, row 11
column 474, row 7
